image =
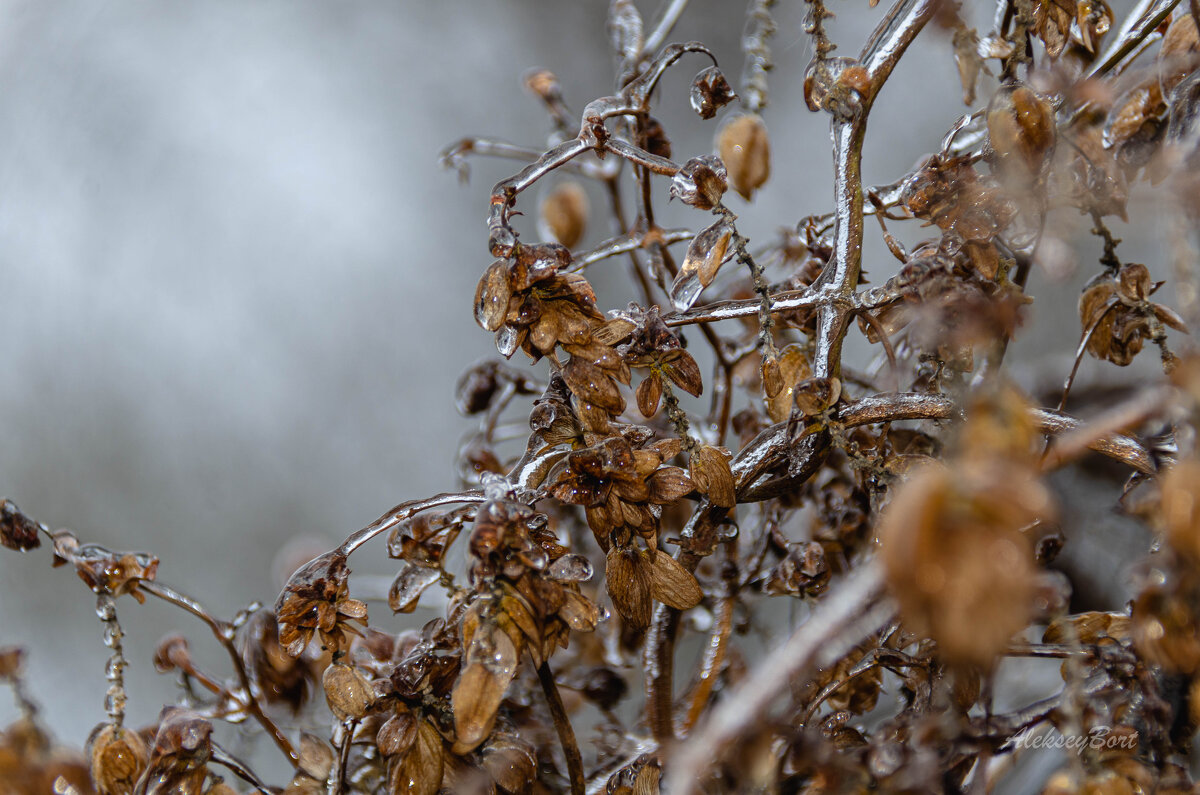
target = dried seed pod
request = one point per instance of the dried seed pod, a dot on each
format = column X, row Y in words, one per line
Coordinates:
column 11, row 658
column 956, row 559
column 544, row 84
column 179, row 759
column 17, row 531
column 118, row 757
column 509, row 761
column 709, row 470
column 803, row 571
column 1180, row 52
column 1093, row 628
column 745, row 149
column 681, row 368
column 316, row 758
column 793, row 369
column 564, row 214
column 317, row 599
column 657, row 142
column 627, row 577
column 171, row 654
column 347, row 691
column 397, row 735
column 625, row 29
column 1164, row 625
column 814, row 395
column 489, row 665
column 422, row 769
column 649, row 393
column 837, row 85
column 280, row 678
column 1021, row 131
column 711, row 92
column 701, row 182
column 492, row 296
column 672, row 584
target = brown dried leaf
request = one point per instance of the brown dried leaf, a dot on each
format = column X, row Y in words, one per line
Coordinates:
column 672, row 584
column 627, row 577
column 683, row 371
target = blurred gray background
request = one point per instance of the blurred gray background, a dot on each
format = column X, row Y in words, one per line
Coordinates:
column 237, row 286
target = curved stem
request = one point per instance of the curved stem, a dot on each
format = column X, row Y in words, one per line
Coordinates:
column 223, row 632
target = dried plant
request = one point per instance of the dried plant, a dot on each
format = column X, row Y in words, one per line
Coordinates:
column 898, row 507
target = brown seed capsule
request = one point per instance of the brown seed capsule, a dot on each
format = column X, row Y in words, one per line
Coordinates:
column 711, row 92
column 814, row 395
column 545, row 84
column 837, row 85
column 956, row 559
column 701, row 182
column 672, row 584
column 564, row 214
column 347, row 691
column 118, row 757
column 746, row 152
column 1021, row 130
column 627, row 577
column 17, row 531
column 709, row 470
column 492, row 296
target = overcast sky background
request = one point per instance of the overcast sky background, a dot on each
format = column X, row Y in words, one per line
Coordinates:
column 237, row 286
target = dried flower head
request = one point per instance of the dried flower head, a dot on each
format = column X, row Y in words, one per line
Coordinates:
column 17, row 531
column 317, row 599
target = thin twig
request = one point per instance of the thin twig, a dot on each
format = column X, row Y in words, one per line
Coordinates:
column 562, row 724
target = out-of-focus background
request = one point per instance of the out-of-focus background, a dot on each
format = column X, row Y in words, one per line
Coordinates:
column 237, row 286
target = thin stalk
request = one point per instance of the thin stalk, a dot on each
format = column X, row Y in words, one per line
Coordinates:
column 710, row 667
column 562, row 724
